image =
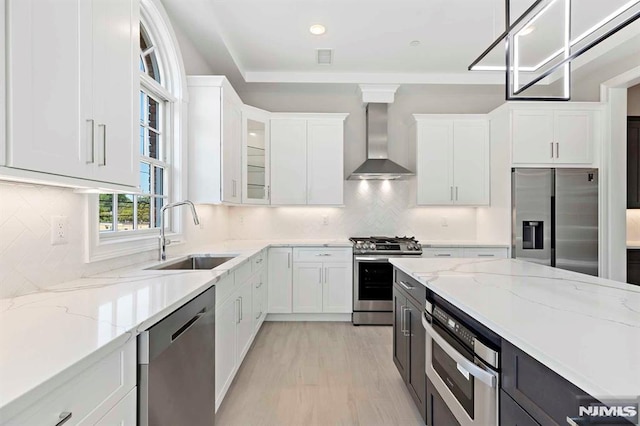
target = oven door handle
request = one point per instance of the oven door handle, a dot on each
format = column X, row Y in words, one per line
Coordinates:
column 487, row 377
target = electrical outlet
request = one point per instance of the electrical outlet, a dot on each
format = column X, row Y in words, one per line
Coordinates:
column 59, row 225
column 444, row 222
column 325, row 220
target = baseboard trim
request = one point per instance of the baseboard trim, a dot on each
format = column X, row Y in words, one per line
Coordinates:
column 309, row 317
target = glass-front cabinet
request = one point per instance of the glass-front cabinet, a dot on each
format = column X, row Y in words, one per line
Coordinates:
column 255, row 156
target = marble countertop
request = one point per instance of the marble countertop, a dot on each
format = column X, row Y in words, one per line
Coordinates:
column 47, row 336
column 586, row 329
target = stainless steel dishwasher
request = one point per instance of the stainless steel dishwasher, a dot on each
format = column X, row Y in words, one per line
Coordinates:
column 176, row 367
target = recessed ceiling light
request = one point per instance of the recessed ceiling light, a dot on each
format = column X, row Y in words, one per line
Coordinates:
column 414, row 43
column 527, row 30
column 317, row 29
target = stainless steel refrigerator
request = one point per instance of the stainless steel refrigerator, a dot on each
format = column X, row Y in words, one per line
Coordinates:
column 555, row 217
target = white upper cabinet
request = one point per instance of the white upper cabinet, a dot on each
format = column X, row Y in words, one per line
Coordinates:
column 73, row 80
column 307, row 159
column 215, row 141
column 452, row 156
column 325, row 164
column 288, row 161
column 554, row 134
column 255, row 156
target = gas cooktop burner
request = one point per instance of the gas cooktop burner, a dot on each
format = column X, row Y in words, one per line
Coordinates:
column 386, row 245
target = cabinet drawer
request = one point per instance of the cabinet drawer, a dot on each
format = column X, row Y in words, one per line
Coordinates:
column 243, row 272
column 89, row 395
column 320, row 254
column 498, row 253
column 442, row 252
column 415, row 290
column 258, row 261
column 528, row 382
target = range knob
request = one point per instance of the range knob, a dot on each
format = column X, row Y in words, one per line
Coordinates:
column 371, row 246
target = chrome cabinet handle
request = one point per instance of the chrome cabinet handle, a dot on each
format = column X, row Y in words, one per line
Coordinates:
column 404, row 333
column 407, row 309
column 320, row 274
column 551, row 149
column 64, row 417
column 557, row 150
column 406, row 285
column 486, row 255
column 443, row 254
column 104, row 144
column 451, row 194
column 239, row 312
column 259, row 261
column 259, row 314
column 456, row 193
column 323, row 254
column 92, row 139
column 241, row 309
column 487, row 377
column 259, row 285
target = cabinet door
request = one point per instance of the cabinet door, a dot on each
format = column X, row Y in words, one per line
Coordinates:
column 288, row 161
column 115, row 90
column 231, row 150
column 513, row 414
column 325, row 170
column 471, row 162
column 280, row 277
column 227, row 318
column 307, row 287
column 337, row 289
column 124, row 413
column 245, row 326
column 438, row 414
column 255, row 156
column 399, row 334
column 47, row 131
column 532, row 136
column 435, row 162
column 573, row 131
column 416, row 377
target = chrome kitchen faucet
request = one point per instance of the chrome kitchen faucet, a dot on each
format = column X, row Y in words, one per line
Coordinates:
column 164, row 242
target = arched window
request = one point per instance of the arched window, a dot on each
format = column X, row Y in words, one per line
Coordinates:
column 128, row 223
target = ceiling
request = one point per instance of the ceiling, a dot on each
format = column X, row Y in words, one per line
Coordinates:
column 269, row 40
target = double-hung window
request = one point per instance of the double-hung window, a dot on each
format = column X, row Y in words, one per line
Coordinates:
column 140, row 213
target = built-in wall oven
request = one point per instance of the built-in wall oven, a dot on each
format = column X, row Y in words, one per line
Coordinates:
column 373, row 276
column 462, row 367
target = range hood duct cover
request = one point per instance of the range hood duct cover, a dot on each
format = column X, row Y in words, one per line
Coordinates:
column 378, row 166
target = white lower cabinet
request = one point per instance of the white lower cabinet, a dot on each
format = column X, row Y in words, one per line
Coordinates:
column 280, row 278
column 307, row 288
column 337, row 290
column 240, row 297
column 88, row 396
column 323, row 286
column 452, row 252
column 125, row 413
column 244, row 328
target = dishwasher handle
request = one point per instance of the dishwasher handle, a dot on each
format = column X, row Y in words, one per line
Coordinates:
column 188, row 325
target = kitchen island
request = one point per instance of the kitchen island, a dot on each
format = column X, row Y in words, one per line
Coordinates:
column 583, row 328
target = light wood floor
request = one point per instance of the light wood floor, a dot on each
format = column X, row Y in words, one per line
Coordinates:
column 312, row 373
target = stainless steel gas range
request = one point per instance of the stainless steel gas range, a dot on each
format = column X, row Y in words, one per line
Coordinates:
column 373, row 276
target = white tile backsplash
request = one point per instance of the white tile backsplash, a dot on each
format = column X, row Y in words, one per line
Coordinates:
column 28, row 261
column 374, row 207
column 633, row 225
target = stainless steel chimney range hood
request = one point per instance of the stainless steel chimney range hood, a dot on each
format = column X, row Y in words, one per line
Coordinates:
column 378, row 166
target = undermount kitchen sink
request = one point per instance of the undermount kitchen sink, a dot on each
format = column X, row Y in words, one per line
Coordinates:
column 194, row 262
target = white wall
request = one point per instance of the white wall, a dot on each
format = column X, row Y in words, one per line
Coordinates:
column 633, row 101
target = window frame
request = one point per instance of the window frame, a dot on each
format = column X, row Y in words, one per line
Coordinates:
column 101, row 246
